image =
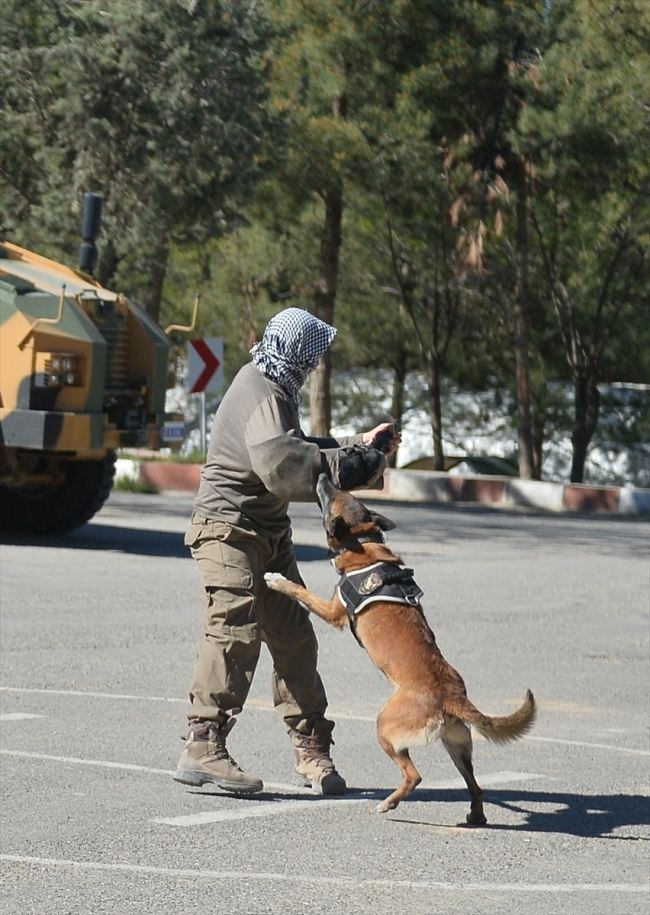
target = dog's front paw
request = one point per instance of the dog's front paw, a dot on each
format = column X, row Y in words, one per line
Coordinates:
column 274, row 580
column 384, row 807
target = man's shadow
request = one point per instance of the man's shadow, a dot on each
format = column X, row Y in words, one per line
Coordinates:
column 588, row 816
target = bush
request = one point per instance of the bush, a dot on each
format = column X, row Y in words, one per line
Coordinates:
column 128, row 484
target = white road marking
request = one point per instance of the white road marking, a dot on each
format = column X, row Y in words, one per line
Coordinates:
column 273, row 808
column 256, row 809
column 284, row 788
column 593, row 746
column 90, row 695
column 108, row 764
column 350, row 716
column 261, row 705
column 262, row 808
column 103, row 763
column 484, row 778
column 352, row 882
column 17, row 716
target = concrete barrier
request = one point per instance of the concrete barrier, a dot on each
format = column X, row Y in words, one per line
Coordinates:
column 171, row 477
column 432, row 487
column 535, row 493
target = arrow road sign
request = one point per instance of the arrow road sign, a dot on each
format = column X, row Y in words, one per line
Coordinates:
column 205, row 365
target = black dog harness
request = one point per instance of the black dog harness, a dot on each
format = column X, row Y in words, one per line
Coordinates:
column 382, row 581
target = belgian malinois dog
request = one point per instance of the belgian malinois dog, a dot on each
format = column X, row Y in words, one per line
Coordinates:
column 430, row 700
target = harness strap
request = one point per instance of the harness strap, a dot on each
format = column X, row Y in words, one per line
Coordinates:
column 383, row 581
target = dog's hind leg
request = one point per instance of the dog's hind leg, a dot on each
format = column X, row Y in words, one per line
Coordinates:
column 457, row 739
column 393, row 733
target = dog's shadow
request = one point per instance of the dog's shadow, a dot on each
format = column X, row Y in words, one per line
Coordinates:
column 588, row 816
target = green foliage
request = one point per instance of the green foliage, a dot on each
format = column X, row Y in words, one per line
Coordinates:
column 589, row 133
column 128, row 484
column 216, row 129
column 159, row 106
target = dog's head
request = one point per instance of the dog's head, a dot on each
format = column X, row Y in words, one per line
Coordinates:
column 344, row 516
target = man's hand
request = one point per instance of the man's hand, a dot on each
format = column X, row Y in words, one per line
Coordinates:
column 357, row 466
column 370, row 438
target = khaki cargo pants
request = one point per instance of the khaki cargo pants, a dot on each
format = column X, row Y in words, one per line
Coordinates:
column 239, row 613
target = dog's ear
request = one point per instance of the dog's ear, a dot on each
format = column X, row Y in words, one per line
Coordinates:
column 382, row 521
column 337, row 528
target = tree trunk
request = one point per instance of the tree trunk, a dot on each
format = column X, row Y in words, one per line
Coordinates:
column 320, row 397
column 325, row 295
column 434, row 383
column 153, row 299
column 587, row 408
column 399, row 386
column 538, row 443
column 108, row 263
column 324, row 300
column 524, row 425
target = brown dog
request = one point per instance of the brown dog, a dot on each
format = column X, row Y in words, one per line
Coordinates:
column 430, row 700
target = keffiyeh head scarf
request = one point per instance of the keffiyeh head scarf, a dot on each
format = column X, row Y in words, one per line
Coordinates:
column 293, row 342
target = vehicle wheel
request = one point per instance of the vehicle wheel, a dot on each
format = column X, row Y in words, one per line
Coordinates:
column 58, row 509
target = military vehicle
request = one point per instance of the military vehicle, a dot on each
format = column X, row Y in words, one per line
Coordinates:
column 83, row 372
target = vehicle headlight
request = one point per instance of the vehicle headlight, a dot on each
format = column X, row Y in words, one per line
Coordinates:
column 57, row 370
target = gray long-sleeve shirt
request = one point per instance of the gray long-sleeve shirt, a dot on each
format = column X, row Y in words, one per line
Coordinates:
column 258, row 458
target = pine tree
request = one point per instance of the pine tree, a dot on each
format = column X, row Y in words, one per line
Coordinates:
column 591, row 216
column 159, row 106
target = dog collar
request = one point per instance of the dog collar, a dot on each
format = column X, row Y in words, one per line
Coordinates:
column 354, row 542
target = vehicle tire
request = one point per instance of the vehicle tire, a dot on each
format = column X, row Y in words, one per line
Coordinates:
column 58, row 509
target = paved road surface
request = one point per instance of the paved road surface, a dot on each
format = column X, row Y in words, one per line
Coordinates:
column 99, row 632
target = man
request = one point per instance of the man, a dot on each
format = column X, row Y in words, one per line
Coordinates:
column 258, row 461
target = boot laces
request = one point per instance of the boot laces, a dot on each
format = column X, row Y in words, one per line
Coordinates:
column 315, row 748
column 217, row 745
column 218, row 749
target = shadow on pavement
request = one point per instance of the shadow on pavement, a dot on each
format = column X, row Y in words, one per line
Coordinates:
column 130, row 540
column 111, row 538
column 306, row 795
column 588, row 816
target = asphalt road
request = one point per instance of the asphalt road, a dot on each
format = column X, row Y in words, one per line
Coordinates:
column 99, row 633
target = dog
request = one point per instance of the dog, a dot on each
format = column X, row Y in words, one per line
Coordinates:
column 430, row 700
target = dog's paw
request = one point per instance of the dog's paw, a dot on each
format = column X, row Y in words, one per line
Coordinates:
column 476, row 819
column 384, row 807
column 274, row 580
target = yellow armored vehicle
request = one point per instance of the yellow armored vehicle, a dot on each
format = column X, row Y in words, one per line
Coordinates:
column 83, row 371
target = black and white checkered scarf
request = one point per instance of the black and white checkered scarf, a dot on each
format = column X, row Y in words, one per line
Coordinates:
column 293, row 342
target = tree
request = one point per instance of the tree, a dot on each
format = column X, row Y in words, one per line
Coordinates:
column 430, row 291
column 375, row 331
column 314, row 66
column 119, row 101
column 448, row 88
column 591, row 214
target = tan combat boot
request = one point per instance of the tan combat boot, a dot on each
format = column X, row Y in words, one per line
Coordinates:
column 206, row 761
column 314, row 765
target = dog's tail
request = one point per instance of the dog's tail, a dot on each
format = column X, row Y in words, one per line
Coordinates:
column 498, row 730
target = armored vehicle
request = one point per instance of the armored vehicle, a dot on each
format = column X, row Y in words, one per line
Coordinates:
column 83, row 372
